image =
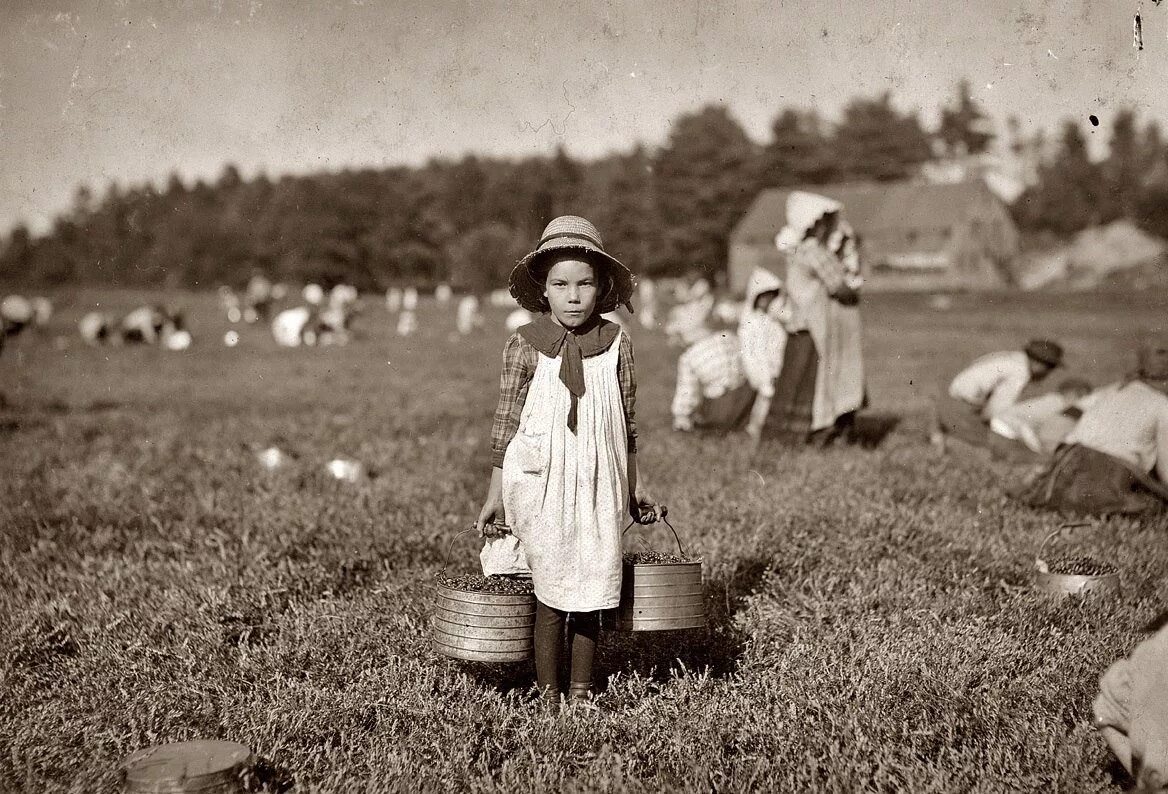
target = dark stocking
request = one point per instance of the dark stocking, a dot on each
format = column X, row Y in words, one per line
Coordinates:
column 549, row 640
column 583, row 630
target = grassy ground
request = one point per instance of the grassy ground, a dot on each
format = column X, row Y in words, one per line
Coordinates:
column 871, row 624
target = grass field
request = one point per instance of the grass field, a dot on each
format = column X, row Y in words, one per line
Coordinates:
column 871, row 623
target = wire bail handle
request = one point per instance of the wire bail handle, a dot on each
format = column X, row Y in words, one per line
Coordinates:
column 1062, row 529
column 663, row 512
column 450, row 548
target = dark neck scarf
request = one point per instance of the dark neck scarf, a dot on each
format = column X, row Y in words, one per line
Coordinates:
column 573, row 346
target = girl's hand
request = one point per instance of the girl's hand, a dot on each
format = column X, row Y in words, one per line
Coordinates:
column 491, row 514
column 644, row 511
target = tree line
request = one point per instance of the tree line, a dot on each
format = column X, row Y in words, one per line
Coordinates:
column 665, row 210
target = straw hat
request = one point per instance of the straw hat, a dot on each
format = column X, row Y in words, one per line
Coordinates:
column 570, row 234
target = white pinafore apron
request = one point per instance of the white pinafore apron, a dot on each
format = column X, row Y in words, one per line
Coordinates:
column 565, row 494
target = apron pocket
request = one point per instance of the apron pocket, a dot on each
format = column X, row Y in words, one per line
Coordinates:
column 529, row 452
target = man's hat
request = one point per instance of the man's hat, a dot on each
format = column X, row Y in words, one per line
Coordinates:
column 570, row 234
column 1045, row 352
column 1153, row 359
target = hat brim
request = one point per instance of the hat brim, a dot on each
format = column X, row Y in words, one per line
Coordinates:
column 528, row 290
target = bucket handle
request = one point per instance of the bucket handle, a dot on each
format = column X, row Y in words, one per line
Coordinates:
column 450, row 548
column 1062, row 528
column 664, row 511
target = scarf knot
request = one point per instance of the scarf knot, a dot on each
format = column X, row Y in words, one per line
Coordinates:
column 572, row 346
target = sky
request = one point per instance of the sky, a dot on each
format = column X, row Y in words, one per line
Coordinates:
column 101, row 91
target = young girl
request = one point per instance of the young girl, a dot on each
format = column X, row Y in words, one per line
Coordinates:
column 564, row 446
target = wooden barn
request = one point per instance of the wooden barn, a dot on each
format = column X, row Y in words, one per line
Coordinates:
column 913, row 236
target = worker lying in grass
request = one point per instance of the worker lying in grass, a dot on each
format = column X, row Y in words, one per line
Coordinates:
column 1115, row 461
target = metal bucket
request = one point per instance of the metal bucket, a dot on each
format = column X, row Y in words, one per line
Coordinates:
column 1066, row 584
column 482, row 627
column 207, row 767
column 1077, row 584
column 662, row 596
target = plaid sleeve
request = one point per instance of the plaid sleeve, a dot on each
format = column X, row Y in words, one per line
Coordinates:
column 518, row 368
column 627, row 375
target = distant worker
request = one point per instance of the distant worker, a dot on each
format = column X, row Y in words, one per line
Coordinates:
column 517, row 319
column 762, row 337
column 712, row 391
column 1115, row 461
column 393, row 299
column 143, row 325
column 407, row 323
column 313, row 294
column 647, row 298
column 230, row 303
column 290, row 325
column 410, row 299
column 42, row 311
column 989, row 386
column 468, row 318
column 96, row 328
column 257, row 298
column 821, row 382
column 16, row 314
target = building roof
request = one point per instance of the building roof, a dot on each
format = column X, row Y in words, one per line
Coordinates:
column 871, row 208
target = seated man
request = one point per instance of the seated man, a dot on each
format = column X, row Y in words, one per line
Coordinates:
column 1116, row 458
column 989, row 386
column 1034, row 428
column 712, row 392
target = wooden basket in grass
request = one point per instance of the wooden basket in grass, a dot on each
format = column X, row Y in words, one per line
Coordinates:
column 1066, row 575
column 661, row 591
column 480, row 618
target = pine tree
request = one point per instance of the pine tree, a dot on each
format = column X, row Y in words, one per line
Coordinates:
column 875, row 141
column 965, row 129
column 799, row 152
column 705, row 178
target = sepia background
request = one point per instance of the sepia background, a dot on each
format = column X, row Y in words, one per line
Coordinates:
column 226, row 535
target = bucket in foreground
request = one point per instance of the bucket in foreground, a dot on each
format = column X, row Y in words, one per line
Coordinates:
column 483, row 627
column 204, row 766
column 483, row 619
column 661, row 592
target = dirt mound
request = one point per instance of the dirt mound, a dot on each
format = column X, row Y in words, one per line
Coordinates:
column 1119, row 254
column 1103, row 251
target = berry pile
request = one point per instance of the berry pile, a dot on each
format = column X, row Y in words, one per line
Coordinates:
column 1080, row 566
column 657, row 558
column 493, row 585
